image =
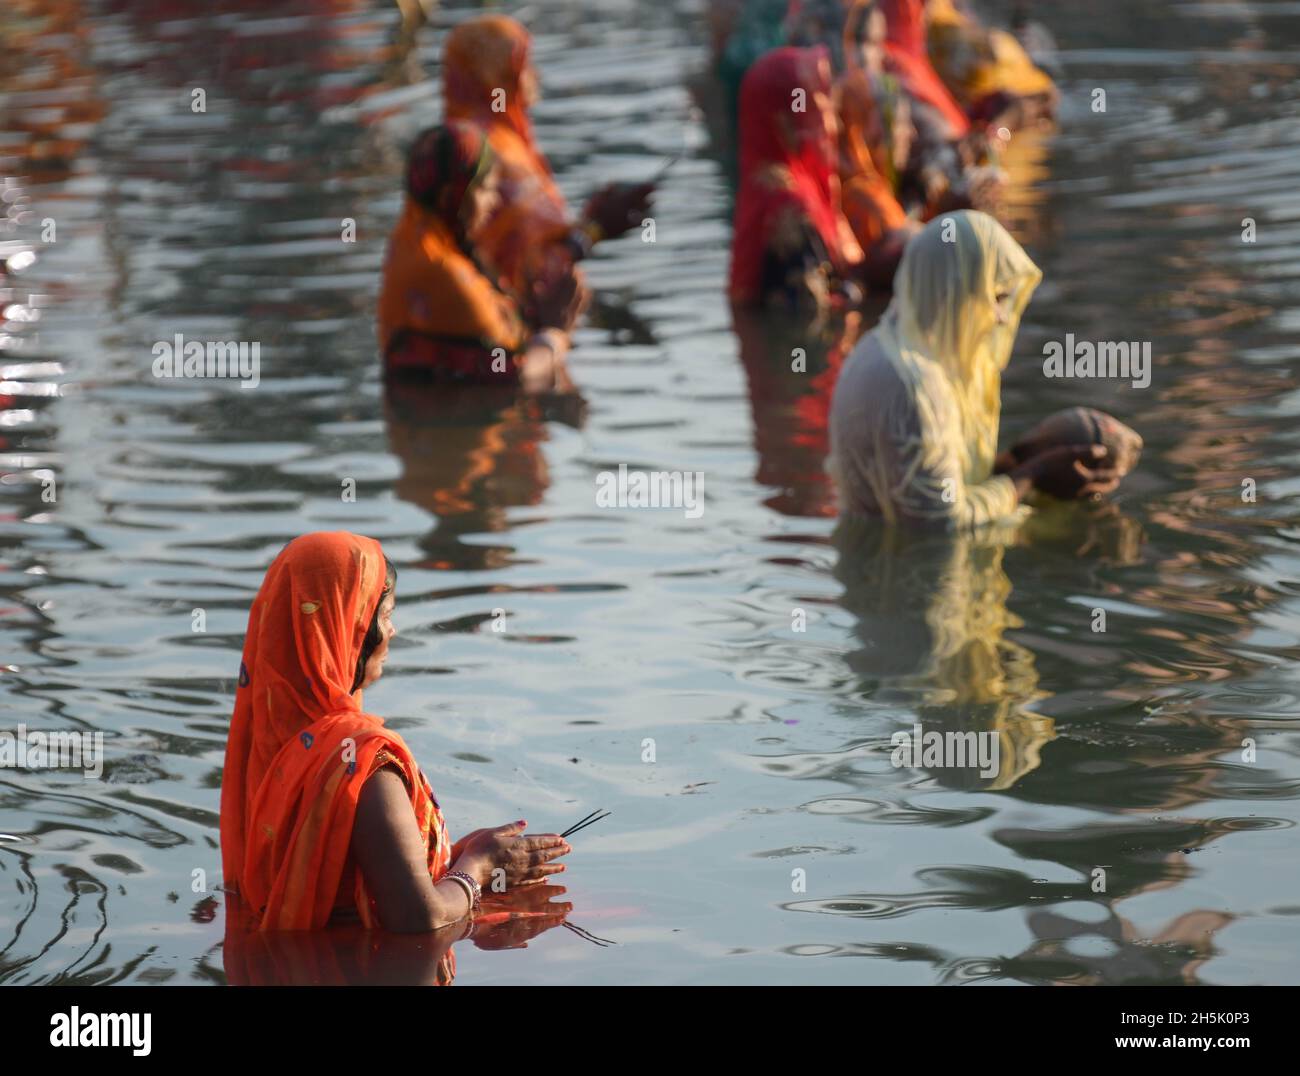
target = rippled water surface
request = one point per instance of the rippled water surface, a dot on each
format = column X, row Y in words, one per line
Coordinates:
column 771, row 835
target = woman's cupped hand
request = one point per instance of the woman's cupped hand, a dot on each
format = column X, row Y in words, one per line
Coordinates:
column 1070, row 472
column 619, row 207
column 525, row 859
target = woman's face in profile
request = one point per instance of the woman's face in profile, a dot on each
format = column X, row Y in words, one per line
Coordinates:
column 530, row 86
column 375, row 666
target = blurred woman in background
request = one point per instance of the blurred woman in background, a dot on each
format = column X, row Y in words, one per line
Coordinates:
column 527, row 236
column 443, row 315
column 792, row 246
column 875, row 145
column 987, row 70
column 909, row 61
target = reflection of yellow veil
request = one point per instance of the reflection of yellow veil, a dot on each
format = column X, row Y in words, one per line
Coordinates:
column 1024, row 162
column 931, row 614
column 921, row 395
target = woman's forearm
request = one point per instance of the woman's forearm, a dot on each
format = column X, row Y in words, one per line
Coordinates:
column 447, row 900
column 445, row 903
column 392, row 857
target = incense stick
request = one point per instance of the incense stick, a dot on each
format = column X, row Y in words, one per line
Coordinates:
column 580, row 821
column 586, row 935
column 594, row 817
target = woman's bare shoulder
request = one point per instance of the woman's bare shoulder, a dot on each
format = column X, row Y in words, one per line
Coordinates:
column 384, row 794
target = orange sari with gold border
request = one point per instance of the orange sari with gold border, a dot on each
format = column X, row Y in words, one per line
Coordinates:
column 300, row 748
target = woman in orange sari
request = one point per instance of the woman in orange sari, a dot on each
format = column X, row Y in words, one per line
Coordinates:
column 875, row 145
column 528, row 237
column 325, row 814
column 791, row 245
column 442, row 315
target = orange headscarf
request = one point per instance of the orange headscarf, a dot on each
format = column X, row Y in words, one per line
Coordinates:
column 483, row 69
column 300, row 747
column 438, row 307
column 868, row 200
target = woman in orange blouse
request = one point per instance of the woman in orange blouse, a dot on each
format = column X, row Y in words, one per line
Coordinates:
column 325, row 814
column 442, row 313
column 875, row 145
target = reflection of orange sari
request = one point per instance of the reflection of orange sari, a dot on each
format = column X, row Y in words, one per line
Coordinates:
column 432, row 289
column 46, row 66
column 464, row 451
column 339, row 956
column 300, row 747
column 482, row 71
column 866, row 197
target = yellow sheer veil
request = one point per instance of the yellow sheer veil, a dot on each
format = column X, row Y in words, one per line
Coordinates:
column 945, row 312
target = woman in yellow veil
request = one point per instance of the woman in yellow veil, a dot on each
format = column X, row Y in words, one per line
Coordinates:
column 914, row 418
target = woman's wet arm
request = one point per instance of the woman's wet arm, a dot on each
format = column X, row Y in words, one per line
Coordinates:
column 392, row 858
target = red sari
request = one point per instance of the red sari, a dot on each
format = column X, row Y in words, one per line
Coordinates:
column 300, row 748
column 786, row 174
column 909, row 61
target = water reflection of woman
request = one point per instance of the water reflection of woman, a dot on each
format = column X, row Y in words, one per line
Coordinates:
column 932, row 616
column 468, row 454
column 465, row 451
column 354, row 956
column 791, row 368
